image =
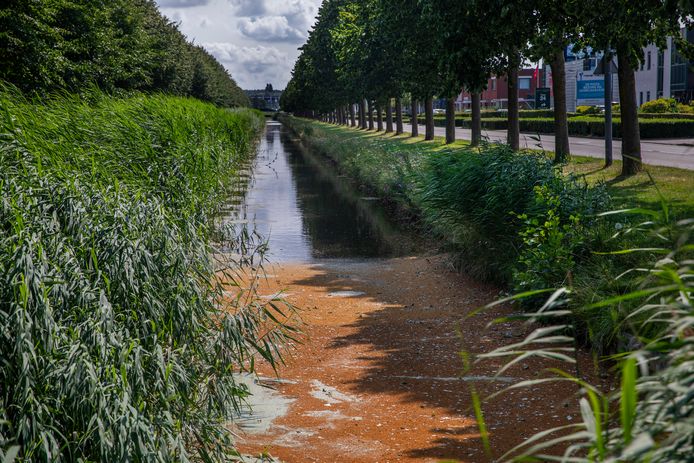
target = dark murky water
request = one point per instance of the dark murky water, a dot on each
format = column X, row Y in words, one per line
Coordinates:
column 296, row 200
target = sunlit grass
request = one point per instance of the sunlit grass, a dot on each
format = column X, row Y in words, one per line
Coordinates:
column 676, row 185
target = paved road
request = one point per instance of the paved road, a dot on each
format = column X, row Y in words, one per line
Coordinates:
column 672, row 153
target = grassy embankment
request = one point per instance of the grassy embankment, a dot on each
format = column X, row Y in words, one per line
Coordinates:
column 637, row 191
column 514, row 218
column 116, row 340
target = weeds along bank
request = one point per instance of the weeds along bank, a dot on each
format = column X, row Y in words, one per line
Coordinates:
column 115, row 341
column 513, row 218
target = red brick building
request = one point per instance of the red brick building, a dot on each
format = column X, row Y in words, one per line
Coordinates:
column 496, row 94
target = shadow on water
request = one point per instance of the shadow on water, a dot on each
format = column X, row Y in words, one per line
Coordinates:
column 297, row 201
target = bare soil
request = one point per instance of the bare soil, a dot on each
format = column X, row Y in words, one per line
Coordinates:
column 379, row 375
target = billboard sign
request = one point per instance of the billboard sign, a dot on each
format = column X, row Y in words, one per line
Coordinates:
column 593, row 89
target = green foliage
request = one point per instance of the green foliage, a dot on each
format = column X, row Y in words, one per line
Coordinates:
column 588, row 110
column 119, row 44
column 516, row 207
column 661, row 105
column 561, row 239
column 548, row 245
column 687, row 109
column 649, row 419
column 119, row 329
column 669, row 116
column 378, row 165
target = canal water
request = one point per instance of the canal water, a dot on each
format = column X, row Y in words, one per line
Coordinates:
column 307, row 212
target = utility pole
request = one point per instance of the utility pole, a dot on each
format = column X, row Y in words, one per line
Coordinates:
column 607, row 67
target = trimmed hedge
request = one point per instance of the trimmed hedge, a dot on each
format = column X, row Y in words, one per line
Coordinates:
column 587, row 126
column 666, row 116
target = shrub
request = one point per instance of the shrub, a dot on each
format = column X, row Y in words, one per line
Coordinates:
column 553, row 237
column 481, row 201
column 591, row 126
column 666, row 128
column 668, row 116
column 686, row 108
column 588, row 110
column 661, row 105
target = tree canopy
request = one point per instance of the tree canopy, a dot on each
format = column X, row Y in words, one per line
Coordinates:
column 113, row 44
column 381, row 49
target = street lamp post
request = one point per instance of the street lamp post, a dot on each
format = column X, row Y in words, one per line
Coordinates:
column 607, row 65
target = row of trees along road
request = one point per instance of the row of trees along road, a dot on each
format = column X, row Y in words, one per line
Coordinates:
column 113, row 44
column 369, row 53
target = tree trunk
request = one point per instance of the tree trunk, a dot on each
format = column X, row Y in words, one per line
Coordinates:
column 414, row 118
column 631, row 139
column 389, row 116
column 370, row 110
column 362, row 115
column 561, row 121
column 379, row 117
column 513, row 122
column 398, row 116
column 476, row 119
column 450, row 120
column 429, row 114
column 352, row 115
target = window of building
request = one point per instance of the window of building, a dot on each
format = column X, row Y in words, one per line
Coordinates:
column 589, row 64
column 493, row 83
column 648, row 61
column 640, row 98
column 524, row 83
column 648, row 95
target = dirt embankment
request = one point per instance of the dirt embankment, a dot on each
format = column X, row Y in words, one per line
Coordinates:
column 379, row 376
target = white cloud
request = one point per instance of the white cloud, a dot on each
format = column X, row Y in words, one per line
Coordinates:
column 252, row 65
column 249, row 7
column 270, row 29
column 182, row 3
column 256, row 40
column 177, row 16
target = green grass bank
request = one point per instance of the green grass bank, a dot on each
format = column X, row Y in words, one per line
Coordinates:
column 117, row 342
column 516, row 219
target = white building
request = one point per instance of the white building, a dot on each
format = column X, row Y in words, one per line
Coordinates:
column 584, row 88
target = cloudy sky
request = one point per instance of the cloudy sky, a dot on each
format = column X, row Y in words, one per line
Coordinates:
column 256, row 40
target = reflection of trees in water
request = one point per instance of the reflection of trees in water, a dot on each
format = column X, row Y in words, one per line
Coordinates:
column 235, row 212
column 335, row 218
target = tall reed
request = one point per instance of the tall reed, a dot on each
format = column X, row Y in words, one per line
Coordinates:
column 118, row 340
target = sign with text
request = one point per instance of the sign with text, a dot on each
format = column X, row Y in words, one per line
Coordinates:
column 542, row 99
column 590, row 89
